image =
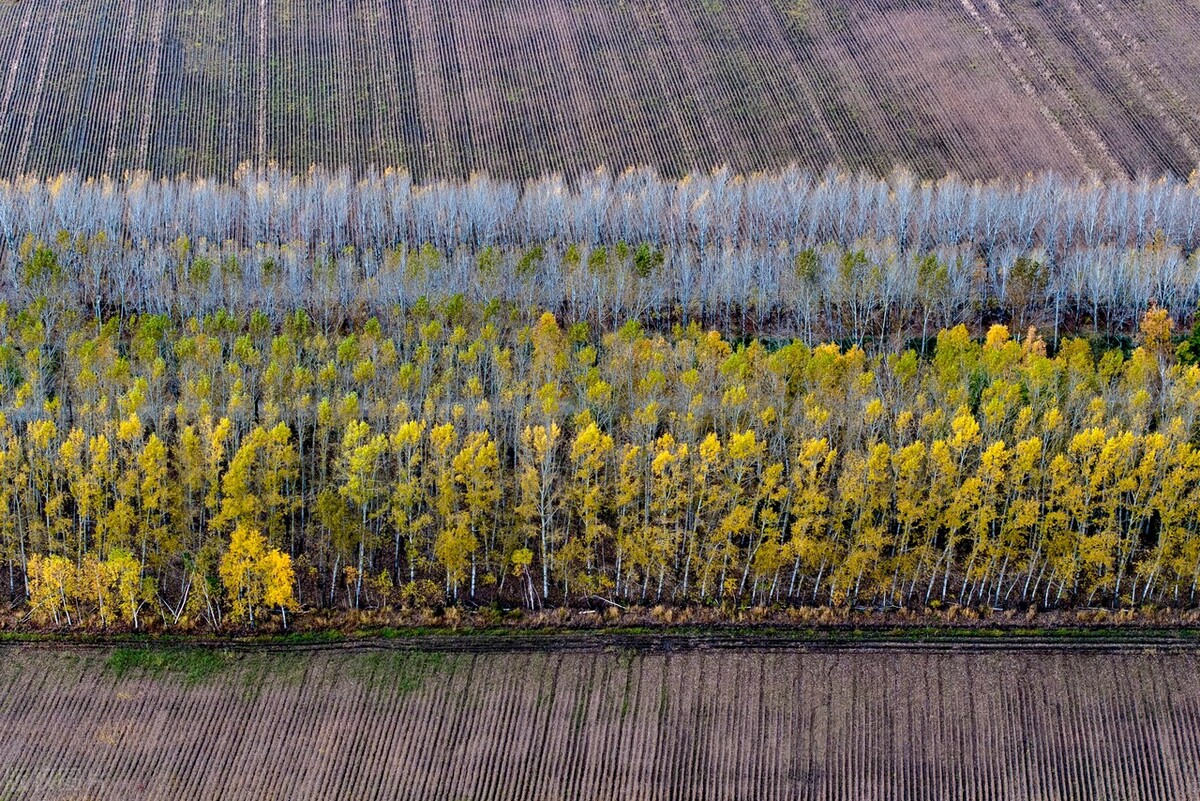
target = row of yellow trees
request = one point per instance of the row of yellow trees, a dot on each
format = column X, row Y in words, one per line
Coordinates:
column 116, row 590
column 214, row 469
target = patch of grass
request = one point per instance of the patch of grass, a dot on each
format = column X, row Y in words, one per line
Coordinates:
column 193, row 665
column 259, row 670
column 413, row 668
column 315, row 637
column 403, row 632
column 799, row 13
column 399, row 671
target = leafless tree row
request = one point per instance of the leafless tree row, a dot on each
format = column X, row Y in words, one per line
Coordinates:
column 827, row 254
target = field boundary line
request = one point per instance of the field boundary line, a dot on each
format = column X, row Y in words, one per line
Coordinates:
column 483, row 642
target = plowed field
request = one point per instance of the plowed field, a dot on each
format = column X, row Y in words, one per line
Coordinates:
column 603, row 724
column 986, row 88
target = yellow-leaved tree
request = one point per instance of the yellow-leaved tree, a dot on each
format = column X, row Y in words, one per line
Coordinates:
column 256, row 576
column 409, row 516
column 472, row 497
column 360, row 466
column 132, row 590
column 51, row 588
column 539, row 497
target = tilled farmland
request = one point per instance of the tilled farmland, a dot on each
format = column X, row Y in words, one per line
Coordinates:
column 832, row 723
column 985, row 89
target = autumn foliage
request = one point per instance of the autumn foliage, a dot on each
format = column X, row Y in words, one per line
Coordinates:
column 221, row 471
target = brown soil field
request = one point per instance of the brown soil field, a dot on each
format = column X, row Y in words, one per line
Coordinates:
column 984, row 88
column 857, row 723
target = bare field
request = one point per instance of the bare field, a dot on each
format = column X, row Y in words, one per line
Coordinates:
column 985, row 88
column 794, row 724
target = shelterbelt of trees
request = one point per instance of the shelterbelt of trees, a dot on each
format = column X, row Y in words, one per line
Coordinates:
column 218, row 470
column 822, row 256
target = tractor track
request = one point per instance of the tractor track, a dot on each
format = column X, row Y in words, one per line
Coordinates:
column 1083, row 641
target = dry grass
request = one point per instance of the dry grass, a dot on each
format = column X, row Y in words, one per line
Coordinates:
column 981, row 87
column 854, row 723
